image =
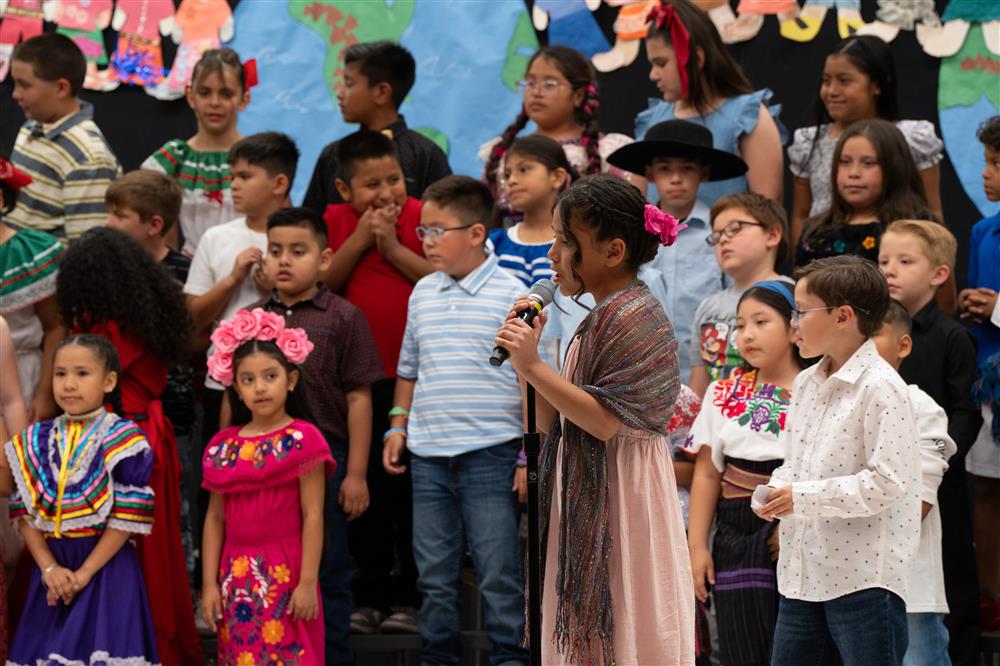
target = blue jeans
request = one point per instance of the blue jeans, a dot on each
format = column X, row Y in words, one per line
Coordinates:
column 865, row 628
column 928, row 640
column 470, row 492
column 335, row 568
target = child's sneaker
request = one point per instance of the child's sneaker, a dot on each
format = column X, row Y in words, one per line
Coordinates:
column 402, row 622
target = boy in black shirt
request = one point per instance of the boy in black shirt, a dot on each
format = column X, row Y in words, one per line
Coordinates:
column 377, row 78
column 917, row 257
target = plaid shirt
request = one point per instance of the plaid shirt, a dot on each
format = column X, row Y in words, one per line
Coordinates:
column 344, row 358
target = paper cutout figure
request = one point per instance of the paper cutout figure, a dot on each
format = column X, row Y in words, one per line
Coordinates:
column 84, row 22
column 138, row 60
column 569, row 22
column 806, row 25
column 630, row 29
column 896, row 15
column 720, row 12
column 21, row 20
column 199, row 25
column 751, row 18
column 947, row 38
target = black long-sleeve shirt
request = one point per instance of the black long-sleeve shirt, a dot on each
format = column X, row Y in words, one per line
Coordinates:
column 422, row 161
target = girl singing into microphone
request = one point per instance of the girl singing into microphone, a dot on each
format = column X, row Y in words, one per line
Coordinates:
column 607, row 490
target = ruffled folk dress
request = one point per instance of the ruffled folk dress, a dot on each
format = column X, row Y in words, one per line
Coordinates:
column 101, row 464
column 261, row 563
column 743, row 422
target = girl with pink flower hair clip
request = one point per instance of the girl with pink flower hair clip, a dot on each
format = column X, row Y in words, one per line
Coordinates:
column 263, row 533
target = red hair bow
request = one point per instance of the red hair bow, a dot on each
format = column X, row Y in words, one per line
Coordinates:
column 13, row 177
column 250, row 73
column 664, row 16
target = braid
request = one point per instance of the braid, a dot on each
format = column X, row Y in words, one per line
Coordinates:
column 591, row 133
column 498, row 151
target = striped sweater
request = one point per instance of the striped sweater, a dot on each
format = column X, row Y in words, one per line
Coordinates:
column 72, row 165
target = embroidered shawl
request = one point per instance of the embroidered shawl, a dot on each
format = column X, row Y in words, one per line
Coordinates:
column 628, row 361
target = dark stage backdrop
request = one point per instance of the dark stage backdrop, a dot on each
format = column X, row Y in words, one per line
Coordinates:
column 136, row 124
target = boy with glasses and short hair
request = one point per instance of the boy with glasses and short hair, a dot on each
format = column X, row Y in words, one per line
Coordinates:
column 749, row 234
column 460, row 419
column 848, row 491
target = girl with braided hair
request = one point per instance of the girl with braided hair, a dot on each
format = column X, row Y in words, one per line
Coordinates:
column 561, row 99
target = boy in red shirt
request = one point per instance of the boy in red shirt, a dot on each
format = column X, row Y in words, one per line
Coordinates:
column 377, row 260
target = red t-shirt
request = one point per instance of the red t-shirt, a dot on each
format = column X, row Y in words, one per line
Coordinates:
column 376, row 286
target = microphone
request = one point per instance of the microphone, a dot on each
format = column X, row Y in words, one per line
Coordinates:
column 542, row 293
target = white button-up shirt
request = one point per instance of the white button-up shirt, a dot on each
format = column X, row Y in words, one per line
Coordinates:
column 854, row 466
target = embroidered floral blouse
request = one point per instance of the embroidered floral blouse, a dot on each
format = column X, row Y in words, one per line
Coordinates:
column 741, row 419
column 858, row 239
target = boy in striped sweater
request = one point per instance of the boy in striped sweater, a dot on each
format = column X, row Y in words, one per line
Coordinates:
column 59, row 145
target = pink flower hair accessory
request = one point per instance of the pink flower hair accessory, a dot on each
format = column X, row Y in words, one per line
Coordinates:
column 662, row 224
column 256, row 324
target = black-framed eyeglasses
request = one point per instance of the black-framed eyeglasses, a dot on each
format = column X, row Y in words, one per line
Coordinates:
column 796, row 315
column 435, row 233
column 729, row 231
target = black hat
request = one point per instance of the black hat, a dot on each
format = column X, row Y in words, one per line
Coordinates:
column 678, row 138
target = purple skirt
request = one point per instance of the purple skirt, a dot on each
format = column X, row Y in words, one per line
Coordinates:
column 108, row 622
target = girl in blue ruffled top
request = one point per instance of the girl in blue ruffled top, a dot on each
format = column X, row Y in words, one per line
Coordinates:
column 714, row 91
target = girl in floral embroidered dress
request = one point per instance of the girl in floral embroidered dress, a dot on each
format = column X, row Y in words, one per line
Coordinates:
column 264, row 528
column 739, row 438
column 81, row 492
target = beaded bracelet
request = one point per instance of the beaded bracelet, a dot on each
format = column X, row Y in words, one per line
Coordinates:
column 393, row 431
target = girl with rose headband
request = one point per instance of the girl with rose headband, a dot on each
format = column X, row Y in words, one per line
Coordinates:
column 700, row 81
column 264, row 528
column 608, row 504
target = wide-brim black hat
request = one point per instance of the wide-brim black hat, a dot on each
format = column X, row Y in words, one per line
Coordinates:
column 678, row 138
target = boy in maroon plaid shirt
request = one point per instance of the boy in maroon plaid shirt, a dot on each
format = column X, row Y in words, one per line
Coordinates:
column 339, row 374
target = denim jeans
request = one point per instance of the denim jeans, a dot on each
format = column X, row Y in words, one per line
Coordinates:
column 335, row 568
column 866, row 628
column 469, row 493
column 928, row 640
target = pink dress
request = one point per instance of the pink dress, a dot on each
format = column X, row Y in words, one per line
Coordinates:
column 652, row 595
column 262, row 549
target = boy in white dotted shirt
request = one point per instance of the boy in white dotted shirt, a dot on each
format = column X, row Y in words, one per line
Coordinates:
column 847, row 494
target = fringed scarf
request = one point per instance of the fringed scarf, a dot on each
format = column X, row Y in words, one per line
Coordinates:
column 986, row 391
column 627, row 360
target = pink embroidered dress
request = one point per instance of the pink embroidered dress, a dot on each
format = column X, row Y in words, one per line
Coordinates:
column 261, row 561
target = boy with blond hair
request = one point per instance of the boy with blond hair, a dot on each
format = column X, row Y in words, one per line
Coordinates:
column 917, row 257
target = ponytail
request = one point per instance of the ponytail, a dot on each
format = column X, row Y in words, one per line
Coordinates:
column 501, row 147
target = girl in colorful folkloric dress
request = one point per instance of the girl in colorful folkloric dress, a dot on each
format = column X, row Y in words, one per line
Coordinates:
column 81, row 492
column 264, row 529
column 739, row 439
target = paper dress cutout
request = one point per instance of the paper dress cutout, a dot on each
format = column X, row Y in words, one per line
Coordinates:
column 138, row 60
column 806, row 24
column 19, row 20
column 895, row 15
column 630, row 29
column 84, row 22
column 946, row 38
column 199, row 25
column 569, row 22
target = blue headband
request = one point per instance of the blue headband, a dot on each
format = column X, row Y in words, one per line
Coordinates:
column 779, row 288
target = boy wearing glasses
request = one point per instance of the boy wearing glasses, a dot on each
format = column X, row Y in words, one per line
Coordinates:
column 377, row 259
column 377, row 78
column 460, row 418
column 848, row 491
column 749, row 235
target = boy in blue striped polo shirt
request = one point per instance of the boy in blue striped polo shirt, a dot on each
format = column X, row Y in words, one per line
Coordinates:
column 460, row 418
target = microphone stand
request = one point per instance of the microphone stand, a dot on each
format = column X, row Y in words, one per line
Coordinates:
column 532, row 445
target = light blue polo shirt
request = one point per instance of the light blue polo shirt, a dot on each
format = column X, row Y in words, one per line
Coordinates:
column 461, row 403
